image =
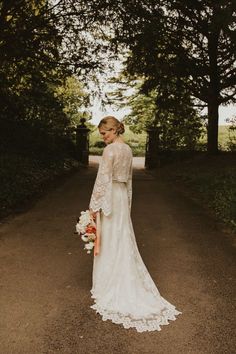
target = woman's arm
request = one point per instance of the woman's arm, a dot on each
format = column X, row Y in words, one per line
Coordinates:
column 101, row 195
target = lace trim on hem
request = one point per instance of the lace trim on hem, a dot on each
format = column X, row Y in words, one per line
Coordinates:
column 141, row 325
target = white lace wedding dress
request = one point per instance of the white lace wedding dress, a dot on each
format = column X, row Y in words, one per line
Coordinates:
column 122, row 289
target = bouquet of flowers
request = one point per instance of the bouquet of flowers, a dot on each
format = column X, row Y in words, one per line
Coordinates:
column 86, row 227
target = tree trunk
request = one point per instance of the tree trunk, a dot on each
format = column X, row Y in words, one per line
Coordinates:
column 212, row 129
column 213, row 90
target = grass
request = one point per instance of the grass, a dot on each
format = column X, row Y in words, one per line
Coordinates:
column 223, row 137
column 210, row 181
column 137, row 141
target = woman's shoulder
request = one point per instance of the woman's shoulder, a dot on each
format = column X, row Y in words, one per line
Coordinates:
column 107, row 149
column 117, row 147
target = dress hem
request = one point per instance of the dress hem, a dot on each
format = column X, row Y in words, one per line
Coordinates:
column 142, row 324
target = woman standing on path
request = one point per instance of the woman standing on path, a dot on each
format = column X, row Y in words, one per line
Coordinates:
column 123, row 290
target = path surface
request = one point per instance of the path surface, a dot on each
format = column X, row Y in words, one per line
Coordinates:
column 46, row 275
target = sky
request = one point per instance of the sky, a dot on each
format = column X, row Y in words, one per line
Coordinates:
column 98, row 113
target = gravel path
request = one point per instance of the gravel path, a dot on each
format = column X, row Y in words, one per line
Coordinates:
column 46, row 275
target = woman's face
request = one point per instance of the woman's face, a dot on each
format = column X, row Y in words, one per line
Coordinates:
column 107, row 135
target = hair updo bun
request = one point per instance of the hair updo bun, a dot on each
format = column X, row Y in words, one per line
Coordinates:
column 120, row 129
column 111, row 122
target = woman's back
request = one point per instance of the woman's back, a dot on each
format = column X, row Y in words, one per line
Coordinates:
column 115, row 165
column 121, row 155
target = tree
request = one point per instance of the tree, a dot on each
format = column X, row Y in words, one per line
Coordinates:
column 191, row 42
column 33, row 115
column 179, row 129
column 203, row 42
column 74, row 99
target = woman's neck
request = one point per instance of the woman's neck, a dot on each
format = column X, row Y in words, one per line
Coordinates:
column 118, row 140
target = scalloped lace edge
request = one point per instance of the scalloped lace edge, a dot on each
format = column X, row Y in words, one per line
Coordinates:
column 141, row 325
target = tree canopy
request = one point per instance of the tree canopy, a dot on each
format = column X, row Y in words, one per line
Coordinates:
column 184, row 50
column 177, row 129
column 181, row 47
column 37, row 91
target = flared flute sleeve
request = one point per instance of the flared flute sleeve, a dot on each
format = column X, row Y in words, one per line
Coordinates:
column 101, row 198
column 129, row 186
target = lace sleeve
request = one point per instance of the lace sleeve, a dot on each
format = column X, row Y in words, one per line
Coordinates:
column 129, row 187
column 101, row 197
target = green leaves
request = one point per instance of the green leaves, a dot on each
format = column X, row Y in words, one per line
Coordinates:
column 180, row 46
column 39, row 97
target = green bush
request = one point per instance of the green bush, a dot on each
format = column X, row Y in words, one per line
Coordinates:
column 211, row 181
column 95, row 151
column 219, row 192
column 22, row 177
column 99, row 144
column 224, row 198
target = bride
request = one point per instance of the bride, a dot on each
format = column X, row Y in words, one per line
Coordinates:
column 122, row 289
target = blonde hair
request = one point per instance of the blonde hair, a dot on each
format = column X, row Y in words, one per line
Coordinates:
column 111, row 122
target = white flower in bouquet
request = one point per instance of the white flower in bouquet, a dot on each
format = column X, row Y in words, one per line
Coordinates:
column 85, row 218
column 80, row 229
column 85, row 238
column 89, row 246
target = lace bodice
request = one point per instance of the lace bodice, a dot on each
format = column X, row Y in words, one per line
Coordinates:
column 115, row 165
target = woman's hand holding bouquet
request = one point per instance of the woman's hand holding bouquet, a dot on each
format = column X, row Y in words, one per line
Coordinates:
column 88, row 230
